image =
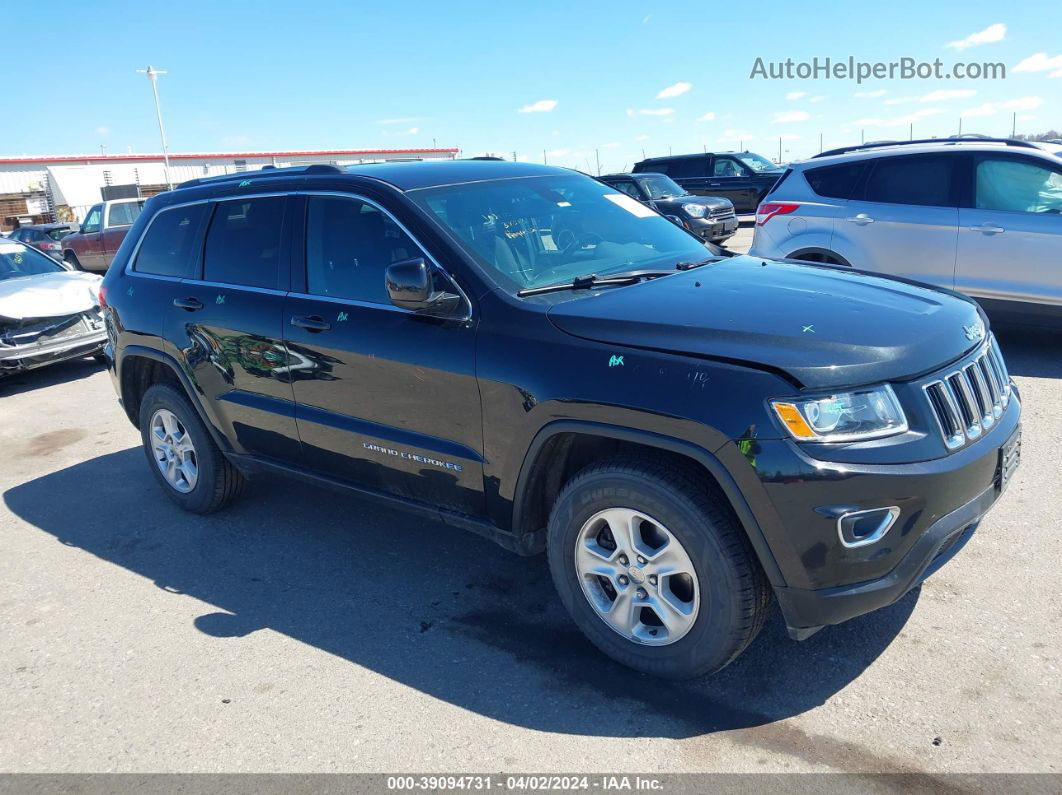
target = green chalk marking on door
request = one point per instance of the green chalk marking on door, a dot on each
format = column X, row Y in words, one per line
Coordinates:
column 615, row 361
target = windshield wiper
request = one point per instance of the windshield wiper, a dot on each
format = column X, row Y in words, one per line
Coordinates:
column 593, row 280
column 687, row 266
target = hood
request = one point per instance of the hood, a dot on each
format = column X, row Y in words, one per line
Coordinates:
column 824, row 326
column 49, row 294
column 712, row 202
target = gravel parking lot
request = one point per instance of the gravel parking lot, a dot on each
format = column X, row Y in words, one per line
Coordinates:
column 306, row 631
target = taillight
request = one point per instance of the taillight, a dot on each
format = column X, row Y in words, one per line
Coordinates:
column 103, row 297
column 50, row 246
column 768, row 210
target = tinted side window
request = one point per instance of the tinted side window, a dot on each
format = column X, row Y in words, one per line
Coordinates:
column 168, row 245
column 243, row 242
column 836, row 182
column 687, row 167
column 921, row 180
column 349, row 244
column 124, row 214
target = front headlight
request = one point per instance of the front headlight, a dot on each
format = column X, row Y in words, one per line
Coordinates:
column 694, row 210
column 846, row 417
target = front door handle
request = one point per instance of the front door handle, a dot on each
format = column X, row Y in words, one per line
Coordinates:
column 188, row 304
column 862, row 219
column 988, row 229
column 313, row 323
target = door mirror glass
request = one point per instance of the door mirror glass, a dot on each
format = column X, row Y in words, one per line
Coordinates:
column 409, row 286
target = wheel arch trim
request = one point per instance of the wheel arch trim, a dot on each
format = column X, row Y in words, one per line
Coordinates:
column 189, row 390
column 713, row 465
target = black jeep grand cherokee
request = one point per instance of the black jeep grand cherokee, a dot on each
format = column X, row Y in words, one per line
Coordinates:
column 526, row 353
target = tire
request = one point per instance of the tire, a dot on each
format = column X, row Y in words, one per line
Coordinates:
column 730, row 596
column 216, row 481
column 71, row 259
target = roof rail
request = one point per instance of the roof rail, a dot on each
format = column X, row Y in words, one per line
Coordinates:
column 266, row 172
column 880, row 144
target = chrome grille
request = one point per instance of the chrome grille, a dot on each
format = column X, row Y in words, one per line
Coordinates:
column 968, row 401
column 721, row 214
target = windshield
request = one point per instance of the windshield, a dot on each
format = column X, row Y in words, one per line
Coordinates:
column 758, row 163
column 544, row 230
column 17, row 260
column 662, row 187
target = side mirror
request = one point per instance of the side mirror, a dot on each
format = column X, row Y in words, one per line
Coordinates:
column 409, row 286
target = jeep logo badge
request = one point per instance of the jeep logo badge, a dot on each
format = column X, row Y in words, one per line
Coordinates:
column 974, row 331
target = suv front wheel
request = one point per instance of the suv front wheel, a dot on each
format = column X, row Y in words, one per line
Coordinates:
column 182, row 455
column 654, row 568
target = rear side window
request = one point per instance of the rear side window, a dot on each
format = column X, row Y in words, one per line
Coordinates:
column 686, row 167
column 124, row 214
column 243, row 242
column 835, row 182
column 925, row 180
column 168, row 245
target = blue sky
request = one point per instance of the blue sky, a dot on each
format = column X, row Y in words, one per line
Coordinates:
column 568, row 78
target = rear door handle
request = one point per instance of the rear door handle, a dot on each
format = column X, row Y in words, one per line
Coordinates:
column 189, row 304
column 988, row 229
column 310, row 322
column 862, row 219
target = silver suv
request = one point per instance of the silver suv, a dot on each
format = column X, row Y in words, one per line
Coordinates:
column 980, row 216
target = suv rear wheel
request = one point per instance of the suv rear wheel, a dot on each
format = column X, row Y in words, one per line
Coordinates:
column 654, row 568
column 182, row 455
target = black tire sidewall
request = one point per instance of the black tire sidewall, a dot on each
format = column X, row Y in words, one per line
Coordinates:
column 714, row 638
column 200, row 498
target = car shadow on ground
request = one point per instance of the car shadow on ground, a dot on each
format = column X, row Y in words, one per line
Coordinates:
column 50, row 375
column 1036, row 353
column 434, row 608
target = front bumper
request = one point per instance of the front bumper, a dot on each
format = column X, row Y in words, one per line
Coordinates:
column 794, row 499
column 28, row 357
column 712, row 229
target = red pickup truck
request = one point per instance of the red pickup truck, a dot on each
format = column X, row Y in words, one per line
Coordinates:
column 93, row 246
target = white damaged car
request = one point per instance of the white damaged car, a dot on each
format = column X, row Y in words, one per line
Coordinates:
column 47, row 312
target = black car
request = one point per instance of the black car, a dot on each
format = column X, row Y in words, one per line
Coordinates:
column 709, row 217
column 743, row 177
column 44, row 237
column 525, row 353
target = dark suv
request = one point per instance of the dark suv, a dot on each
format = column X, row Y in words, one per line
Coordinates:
column 743, row 177
column 709, row 217
column 523, row 352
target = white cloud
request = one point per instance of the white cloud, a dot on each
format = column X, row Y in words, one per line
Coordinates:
column 817, row 99
column 941, row 95
column 235, row 140
column 871, row 94
column 1040, row 62
column 788, row 116
column 789, row 137
column 413, row 130
column 641, row 138
column 650, row 112
column 400, row 120
column 103, row 130
column 610, row 145
column 792, row 95
column 558, row 152
column 709, row 116
column 676, row 90
column 898, row 121
column 992, row 108
column 542, row 106
column 989, row 35
column 731, row 136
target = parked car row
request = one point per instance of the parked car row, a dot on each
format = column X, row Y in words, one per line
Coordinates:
column 44, row 237
column 980, row 216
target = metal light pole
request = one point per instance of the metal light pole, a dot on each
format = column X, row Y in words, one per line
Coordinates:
column 153, row 76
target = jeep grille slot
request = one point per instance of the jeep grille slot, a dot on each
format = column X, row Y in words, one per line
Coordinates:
column 967, row 402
